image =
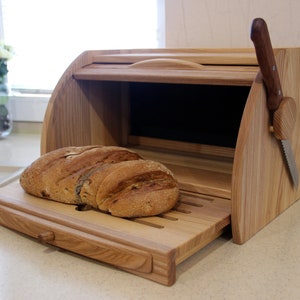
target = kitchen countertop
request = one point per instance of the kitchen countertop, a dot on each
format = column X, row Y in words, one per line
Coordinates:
column 266, row 267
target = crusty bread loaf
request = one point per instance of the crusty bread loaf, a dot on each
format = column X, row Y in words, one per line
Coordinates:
column 111, row 179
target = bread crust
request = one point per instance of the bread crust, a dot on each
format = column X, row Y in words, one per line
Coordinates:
column 55, row 174
column 112, row 179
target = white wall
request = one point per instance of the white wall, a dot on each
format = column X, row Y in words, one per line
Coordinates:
column 227, row 23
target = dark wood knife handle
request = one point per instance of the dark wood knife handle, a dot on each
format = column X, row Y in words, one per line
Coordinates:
column 266, row 60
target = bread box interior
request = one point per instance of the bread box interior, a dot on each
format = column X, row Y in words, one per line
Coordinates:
column 200, row 112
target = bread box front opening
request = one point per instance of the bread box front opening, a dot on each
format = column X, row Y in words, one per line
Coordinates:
column 203, row 114
column 190, row 128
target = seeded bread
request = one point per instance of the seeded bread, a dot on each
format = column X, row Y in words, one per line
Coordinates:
column 111, row 179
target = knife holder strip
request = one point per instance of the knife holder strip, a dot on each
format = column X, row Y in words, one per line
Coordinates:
column 202, row 113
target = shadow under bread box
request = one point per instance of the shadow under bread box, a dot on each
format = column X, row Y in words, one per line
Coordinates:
column 202, row 113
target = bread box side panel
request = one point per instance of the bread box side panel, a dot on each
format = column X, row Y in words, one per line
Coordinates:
column 72, row 115
column 261, row 187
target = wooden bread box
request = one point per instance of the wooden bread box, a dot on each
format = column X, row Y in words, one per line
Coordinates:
column 202, row 113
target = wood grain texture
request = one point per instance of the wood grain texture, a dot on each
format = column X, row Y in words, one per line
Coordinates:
column 90, row 105
column 205, row 56
column 90, row 110
column 167, row 63
column 149, row 247
column 266, row 60
column 284, row 119
column 207, row 75
column 185, row 147
column 188, row 148
column 261, row 188
column 73, row 108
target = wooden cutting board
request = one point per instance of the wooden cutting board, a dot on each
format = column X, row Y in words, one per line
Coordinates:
column 149, row 247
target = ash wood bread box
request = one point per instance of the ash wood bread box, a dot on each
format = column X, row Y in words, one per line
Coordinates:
column 202, row 113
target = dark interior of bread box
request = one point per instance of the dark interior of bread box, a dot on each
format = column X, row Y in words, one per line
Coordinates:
column 202, row 114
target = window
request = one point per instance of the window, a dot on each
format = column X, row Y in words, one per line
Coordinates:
column 48, row 35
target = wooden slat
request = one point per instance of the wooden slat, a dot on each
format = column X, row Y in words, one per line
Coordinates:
column 209, row 163
column 202, row 56
column 185, row 147
column 203, row 181
column 240, row 76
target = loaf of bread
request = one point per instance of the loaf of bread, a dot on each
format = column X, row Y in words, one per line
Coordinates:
column 112, row 179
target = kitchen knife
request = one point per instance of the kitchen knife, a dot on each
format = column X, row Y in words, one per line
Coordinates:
column 282, row 110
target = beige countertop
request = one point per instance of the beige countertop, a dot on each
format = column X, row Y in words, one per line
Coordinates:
column 266, row 267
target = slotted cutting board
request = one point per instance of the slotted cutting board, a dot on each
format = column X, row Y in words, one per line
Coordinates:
column 149, row 247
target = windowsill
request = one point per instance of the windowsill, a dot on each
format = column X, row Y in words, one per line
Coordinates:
column 26, row 127
column 28, row 107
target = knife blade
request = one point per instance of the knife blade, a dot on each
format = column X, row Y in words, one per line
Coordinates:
column 289, row 157
column 280, row 111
